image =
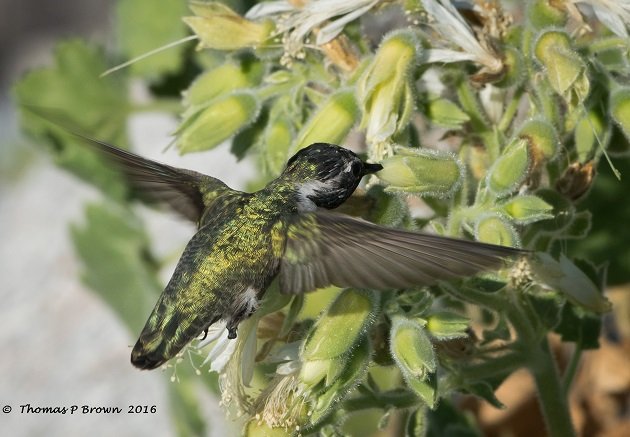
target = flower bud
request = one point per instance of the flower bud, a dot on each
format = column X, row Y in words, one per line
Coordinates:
column 494, row 229
column 411, row 347
column 589, row 131
column 542, row 139
column 219, row 27
column 446, row 325
column 422, row 171
column 256, row 428
column 620, row 109
column 510, row 170
column 222, row 80
column 566, row 71
column 515, row 71
column 527, row 209
column 546, row 13
column 217, row 122
column 567, row 278
column 385, row 89
column 331, row 122
column 413, row 352
column 341, row 326
column 445, row 113
column 277, row 140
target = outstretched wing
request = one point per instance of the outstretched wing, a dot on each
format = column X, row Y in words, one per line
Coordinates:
column 325, row 249
column 187, row 192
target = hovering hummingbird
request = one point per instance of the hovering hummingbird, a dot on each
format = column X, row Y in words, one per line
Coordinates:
column 245, row 240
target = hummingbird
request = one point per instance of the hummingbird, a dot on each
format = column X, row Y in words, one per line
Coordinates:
column 286, row 230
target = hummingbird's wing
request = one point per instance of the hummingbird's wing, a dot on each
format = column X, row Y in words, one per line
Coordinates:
column 187, row 192
column 325, row 249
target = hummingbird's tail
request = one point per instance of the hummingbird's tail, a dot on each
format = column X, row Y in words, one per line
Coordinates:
column 164, row 335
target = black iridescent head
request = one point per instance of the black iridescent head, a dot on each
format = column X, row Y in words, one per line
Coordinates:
column 326, row 174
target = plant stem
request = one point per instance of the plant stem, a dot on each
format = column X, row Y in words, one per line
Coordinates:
column 553, row 403
column 541, row 364
column 397, row 398
column 569, row 374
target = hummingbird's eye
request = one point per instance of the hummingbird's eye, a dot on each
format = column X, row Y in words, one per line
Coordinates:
column 356, row 168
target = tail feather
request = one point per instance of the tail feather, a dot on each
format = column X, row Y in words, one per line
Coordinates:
column 161, row 339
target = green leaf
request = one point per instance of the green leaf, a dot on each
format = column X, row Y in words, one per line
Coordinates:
column 579, row 326
column 448, row 421
column 72, row 90
column 485, row 391
column 114, row 251
column 145, row 25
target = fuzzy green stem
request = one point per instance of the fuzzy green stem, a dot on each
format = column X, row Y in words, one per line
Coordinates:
column 510, row 110
column 397, row 398
column 468, row 294
column 553, row 403
column 569, row 374
column 541, row 364
column 604, row 44
column 504, row 364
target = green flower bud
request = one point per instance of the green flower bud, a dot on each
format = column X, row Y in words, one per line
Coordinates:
column 411, row 348
column 546, row 13
column 620, row 109
column 222, row 80
column 510, row 170
column 527, row 209
column 514, row 66
column 445, row 113
column 542, row 138
column 277, row 140
column 385, row 89
column 341, row 326
column 219, row 27
column 445, row 325
column 314, row 371
column 422, row 171
column 356, row 365
column 566, row 71
column 588, row 129
column 413, row 352
column 331, row 122
column 257, row 428
column 494, row 229
column 216, row 123
column 568, row 279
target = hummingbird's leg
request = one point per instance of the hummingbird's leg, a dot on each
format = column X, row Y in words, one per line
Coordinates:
column 231, row 332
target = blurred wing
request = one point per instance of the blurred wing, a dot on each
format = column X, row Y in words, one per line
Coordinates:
column 185, row 191
column 325, row 249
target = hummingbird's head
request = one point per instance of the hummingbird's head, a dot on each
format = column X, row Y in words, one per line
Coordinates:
column 326, row 175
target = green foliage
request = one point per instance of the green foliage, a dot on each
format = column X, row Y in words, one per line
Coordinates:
column 524, row 115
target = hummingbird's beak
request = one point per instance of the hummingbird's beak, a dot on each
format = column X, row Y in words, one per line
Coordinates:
column 371, row 168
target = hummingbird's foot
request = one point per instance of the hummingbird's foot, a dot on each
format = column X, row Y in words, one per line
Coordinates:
column 231, row 332
column 205, row 334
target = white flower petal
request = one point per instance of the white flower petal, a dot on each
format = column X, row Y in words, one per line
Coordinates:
column 611, row 21
column 265, row 9
column 446, row 55
column 214, row 332
column 288, row 368
column 330, row 31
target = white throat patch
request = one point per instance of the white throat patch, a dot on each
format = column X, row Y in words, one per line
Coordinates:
column 308, row 189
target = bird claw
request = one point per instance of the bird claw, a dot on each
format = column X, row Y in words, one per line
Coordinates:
column 231, row 332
